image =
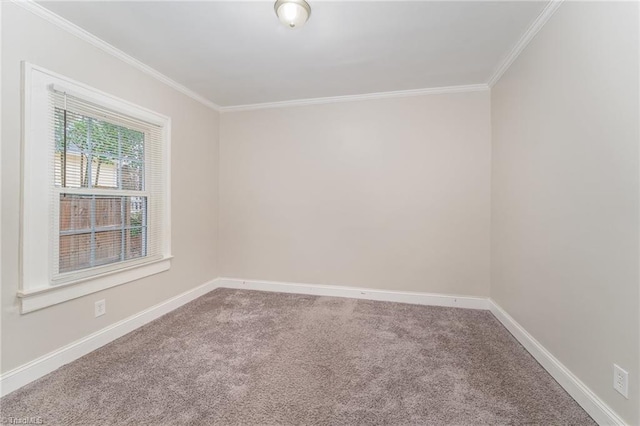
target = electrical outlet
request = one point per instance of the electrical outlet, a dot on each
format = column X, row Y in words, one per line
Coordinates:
column 621, row 381
column 100, row 308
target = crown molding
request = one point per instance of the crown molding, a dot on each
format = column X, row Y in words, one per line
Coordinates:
column 351, row 98
column 524, row 40
column 84, row 35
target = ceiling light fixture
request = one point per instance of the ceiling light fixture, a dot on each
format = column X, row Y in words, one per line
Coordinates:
column 292, row 13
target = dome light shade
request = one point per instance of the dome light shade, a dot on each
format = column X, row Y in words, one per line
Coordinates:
column 292, row 13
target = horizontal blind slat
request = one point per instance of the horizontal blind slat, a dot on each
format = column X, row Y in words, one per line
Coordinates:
column 108, row 187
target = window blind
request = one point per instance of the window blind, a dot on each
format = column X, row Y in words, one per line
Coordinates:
column 107, row 187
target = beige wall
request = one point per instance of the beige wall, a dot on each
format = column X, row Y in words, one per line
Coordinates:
column 194, row 186
column 565, row 194
column 393, row 194
column 389, row 194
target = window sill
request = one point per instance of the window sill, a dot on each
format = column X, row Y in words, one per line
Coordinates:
column 33, row 300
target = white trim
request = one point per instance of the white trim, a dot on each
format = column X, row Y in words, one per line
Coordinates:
column 33, row 370
column 589, row 401
column 32, row 300
column 524, row 40
column 432, row 299
column 351, row 98
column 18, row 377
column 85, row 91
column 84, row 35
column 39, row 284
column 584, row 396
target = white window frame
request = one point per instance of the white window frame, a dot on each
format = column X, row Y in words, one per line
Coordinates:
column 40, row 286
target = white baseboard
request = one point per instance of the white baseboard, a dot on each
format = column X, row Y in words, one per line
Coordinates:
column 588, row 400
column 584, row 396
column 415, row 298
column 601, row 412
column 27, row 373
column 18, row 377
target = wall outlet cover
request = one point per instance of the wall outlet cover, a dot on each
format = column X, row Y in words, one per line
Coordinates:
column 100, row 308
column 621, row 381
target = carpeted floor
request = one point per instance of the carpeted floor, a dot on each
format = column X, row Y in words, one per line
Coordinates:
column 247, row 357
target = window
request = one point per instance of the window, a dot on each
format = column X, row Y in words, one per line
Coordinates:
column 95, row 188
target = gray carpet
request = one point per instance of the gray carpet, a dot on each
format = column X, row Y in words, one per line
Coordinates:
column 248, row 357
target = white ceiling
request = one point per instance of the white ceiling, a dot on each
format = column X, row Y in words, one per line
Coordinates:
column 237, row 53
